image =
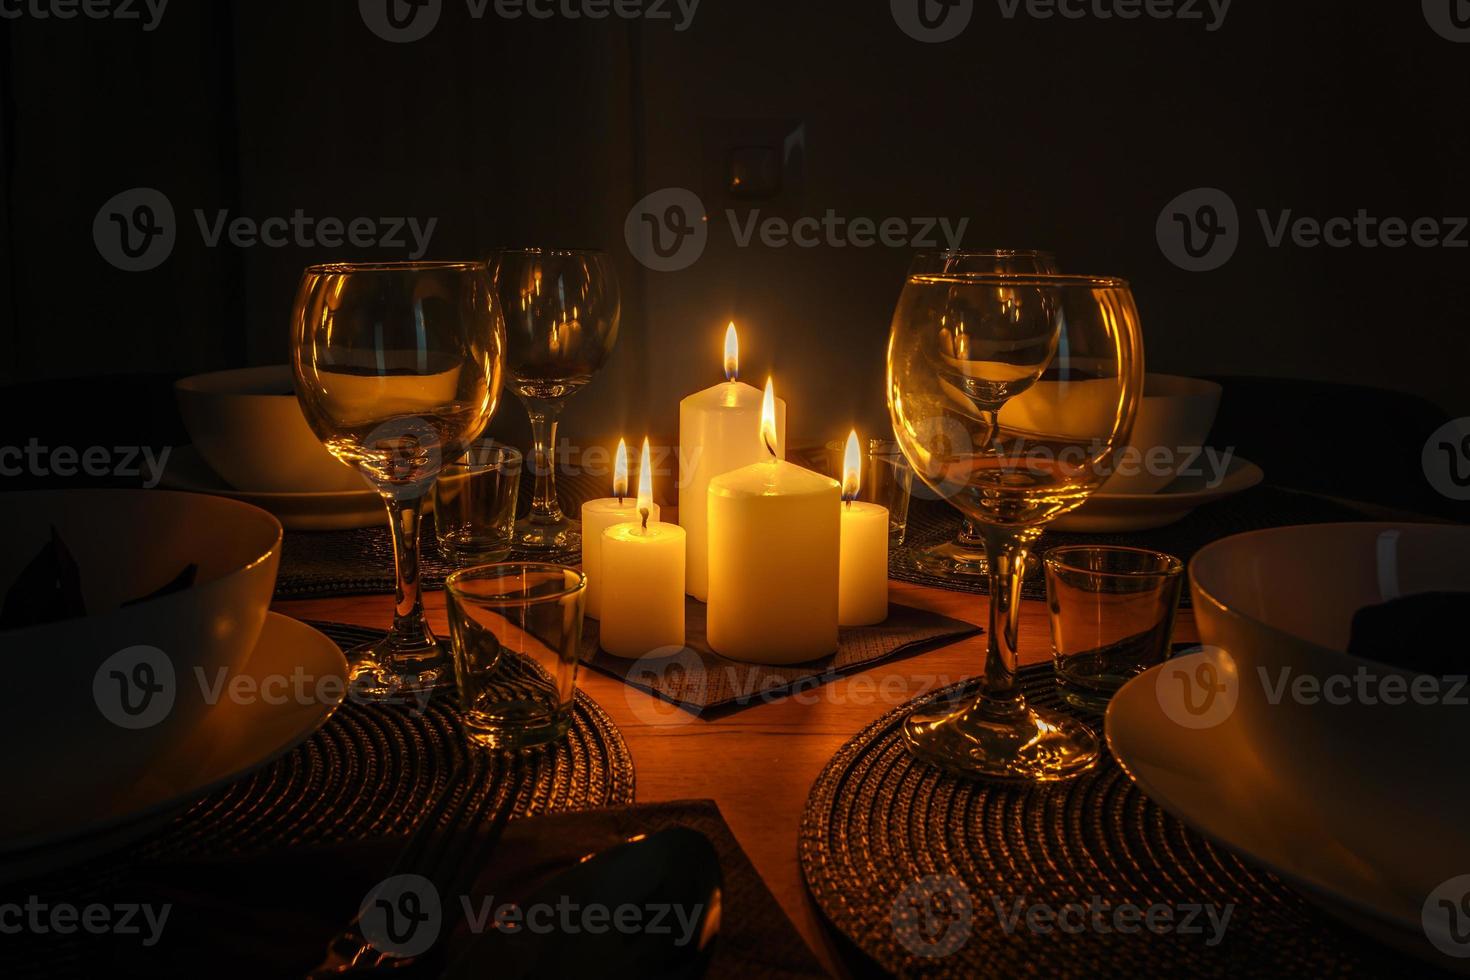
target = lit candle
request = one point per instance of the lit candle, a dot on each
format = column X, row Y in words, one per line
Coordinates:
column 598, row 516
column 643, row 595
column 719, row 431
column 774, row 537
column 862, row 585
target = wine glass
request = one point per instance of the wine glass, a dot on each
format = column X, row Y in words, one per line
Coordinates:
column 963, row 557
column 398, row 369
column 561, row 316
column 1009, row 396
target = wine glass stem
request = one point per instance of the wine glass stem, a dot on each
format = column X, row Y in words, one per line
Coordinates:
column 405, row 514
column 1007, row 548
column 545, row 414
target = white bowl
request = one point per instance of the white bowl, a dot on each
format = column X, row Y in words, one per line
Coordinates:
column 1174, row 420
column 62, row 718
column 249, row 427
column 1265, row 742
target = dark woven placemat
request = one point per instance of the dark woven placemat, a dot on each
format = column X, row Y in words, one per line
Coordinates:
column 933, row 522
column 702, row 682
column 360, row 561
column 933, row 875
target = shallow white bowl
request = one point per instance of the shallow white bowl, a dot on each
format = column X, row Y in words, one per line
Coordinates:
column 1358, row 801
column 248, row 426
column 1174, row 420
column 127, row 544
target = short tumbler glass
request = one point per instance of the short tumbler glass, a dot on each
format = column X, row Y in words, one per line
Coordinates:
column 516, row 632
column 475, row 504
column 1112, row 617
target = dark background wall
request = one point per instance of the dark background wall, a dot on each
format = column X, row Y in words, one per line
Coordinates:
column 1066, row 134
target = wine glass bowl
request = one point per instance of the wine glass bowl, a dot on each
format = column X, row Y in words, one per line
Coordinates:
column 1009, row 395
column 562, row 311
column 398, row 367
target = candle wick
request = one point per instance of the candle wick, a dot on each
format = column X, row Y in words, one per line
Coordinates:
column 847, row 503
column 620, row 500
column 644, row 512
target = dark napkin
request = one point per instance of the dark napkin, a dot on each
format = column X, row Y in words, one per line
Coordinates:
column 272, row 914
column 702, row 682
column 1412, row 632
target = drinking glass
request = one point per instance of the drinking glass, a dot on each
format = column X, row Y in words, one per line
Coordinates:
column 475, row 504
column 1010, row 396
column 398, row 369
column 517, row 631
column 561, row 314
column 964, row 557
column 1112, row 617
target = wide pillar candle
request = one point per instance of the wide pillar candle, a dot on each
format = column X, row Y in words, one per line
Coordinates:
column 598, row 516
column 643, row 591
column 774, row 541
column 719, row 431
column 862, row 586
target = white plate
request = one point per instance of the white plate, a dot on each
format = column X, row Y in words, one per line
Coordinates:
column 1116, row 513
column 337, row 511
column 235, row 738
column 1338, row 818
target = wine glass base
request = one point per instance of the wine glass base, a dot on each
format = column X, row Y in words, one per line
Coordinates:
column 1002, row 740
column 379, row 672
column 534, row 535
column 955, row 559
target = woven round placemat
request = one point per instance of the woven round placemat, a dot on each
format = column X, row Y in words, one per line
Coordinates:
column 932, row 875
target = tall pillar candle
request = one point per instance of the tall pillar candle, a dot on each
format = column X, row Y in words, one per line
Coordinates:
column 598, row 516
column 719, row 431
column 643, row 595
column 774, row 541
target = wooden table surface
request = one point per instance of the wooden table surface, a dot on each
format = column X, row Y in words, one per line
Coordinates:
column 758, row 764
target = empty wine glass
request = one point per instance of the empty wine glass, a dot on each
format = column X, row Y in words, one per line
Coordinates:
column 398, row 369
column 963, row 557
column 562, row 311
column 1010, row 396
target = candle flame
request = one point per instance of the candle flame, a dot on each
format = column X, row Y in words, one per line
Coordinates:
column 852, row 468
column 645, row 485
column 620, row 471
column 768, row 418
column 732, row 353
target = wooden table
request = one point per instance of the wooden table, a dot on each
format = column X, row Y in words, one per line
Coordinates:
column 758, row 764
